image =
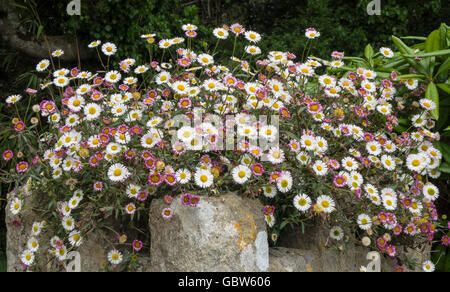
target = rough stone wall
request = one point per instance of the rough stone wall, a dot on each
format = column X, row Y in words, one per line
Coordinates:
column 225, row 233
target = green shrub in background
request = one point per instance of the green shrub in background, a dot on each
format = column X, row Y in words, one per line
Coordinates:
column 345, row 24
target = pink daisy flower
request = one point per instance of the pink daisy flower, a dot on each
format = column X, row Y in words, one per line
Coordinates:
column 194, row 200
column 22, row 166
column 155, row 179
column 269, row 210
column 339, row 181
column 137, row 245
column 142, row 195
column 19, row 126
column 8, row 155
column 397, row 229
column 257, row 169
column 391, row 250
column 185, row 199
column 167, row 213
column 130, row 208
column 98, row 186
column 168, row 199
column 170, row 179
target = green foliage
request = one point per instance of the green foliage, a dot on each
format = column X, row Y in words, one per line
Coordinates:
column 345, row 25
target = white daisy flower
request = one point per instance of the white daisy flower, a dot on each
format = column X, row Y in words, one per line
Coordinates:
column 270, row 220
column 27, row 257
column 118, row 172
column 430, row 191
column 241, row 174
column 364, row 221
column 61, row 81
column 336, row 233
column 203, row 178
column 42, row 65
column 284, row 182
column 68, row 223
column 94, row 44
column 220, row 33
column 183, row 176
column 205, row 59
column 326, row 203
column 75, row 238
column 252, row 36
column 36, row 228
column 133, row 191
column 320, row 168
column 269, row 191
column 275, row 155
column 92, row 111
column 12, row 99
column 16, row 206
column 113, row 76
column 302, row 202
column 109, row 49
column 387, row 52
column 33, row 244
column 428, row 266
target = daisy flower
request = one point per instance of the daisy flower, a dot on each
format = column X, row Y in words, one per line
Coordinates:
column 167, row 213
column 42, row 65
column 430, row 191
column 387, row 52
column 269, row 191
column 92, row 111
column 364, row 221
column 336, row 233
column 118, row 172
column 109, row 49
column 27, row 257
column 220, row 33
column 12, row 99
column 326, row 203
column 115, row 257
column 252, row 36
column 203, row 178
column 237, row 29
column 320, row 168
column 61, row 81
column 302, row 202
column 252, row 50
column 33, row 244
column 16, row 206
column 284, row 182
column 68, row 223
column 130, row 208
column 241, row 174
column 113, row 76
column 94, row 44
column 270, row 220
column 388, row 162
column 275, row 155
column 427, row 104
column 75, row 238
column 428, row 266
column 312, row 33
column 205, row 59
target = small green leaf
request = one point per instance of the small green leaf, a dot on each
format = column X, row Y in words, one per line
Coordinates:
column 433, row 42
column 445, row 87
column 445, row 167
column 432, row 94
column 444, row 67
column 40, row 29
column 432, row 54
